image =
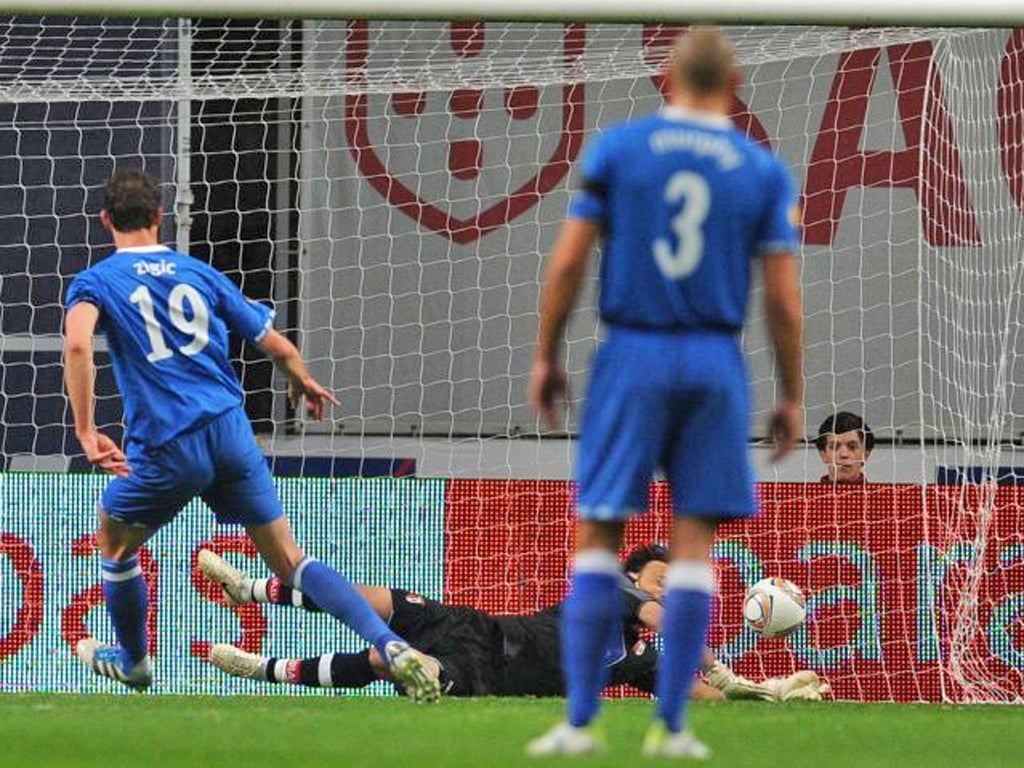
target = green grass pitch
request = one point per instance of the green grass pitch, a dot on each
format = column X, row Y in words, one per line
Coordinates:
column 253, row 731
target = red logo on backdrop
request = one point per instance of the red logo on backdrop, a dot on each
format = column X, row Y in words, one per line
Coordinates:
column 1010, row 110
column 29, row 572
column 465, row 157
column 250, row 615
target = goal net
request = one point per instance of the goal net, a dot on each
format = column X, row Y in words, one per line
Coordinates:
column 394, row 187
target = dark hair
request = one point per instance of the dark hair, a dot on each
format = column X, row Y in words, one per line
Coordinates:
column 643, row 554
column 845, row 421
column 131, row 199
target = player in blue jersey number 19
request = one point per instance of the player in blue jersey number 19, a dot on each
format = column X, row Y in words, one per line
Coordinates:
column 166, row 317
column 687, row 205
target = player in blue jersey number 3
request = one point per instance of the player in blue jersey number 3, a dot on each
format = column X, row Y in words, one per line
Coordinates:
column 686, row 205
column 166, row 317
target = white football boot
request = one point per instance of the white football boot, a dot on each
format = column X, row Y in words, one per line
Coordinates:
column 413, row 671
column 237, row 662
column 232, row 581
column 565, row 739
column 660, row 742
column 108, row 660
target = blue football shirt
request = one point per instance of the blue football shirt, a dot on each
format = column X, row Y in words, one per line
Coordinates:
column 686, row 201
column 166, row 317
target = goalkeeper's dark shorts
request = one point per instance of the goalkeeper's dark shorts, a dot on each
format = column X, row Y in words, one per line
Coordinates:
column 467, row 642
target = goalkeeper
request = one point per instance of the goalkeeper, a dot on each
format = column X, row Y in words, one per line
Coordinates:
column 483, row 655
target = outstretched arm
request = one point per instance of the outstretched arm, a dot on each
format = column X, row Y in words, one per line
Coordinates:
column 79, row 379
column 803, row 684
column 784, row 314
column 288, row 359
column 562, row 280
column 650, row 616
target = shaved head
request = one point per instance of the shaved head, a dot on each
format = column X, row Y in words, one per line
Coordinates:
column 703, row 62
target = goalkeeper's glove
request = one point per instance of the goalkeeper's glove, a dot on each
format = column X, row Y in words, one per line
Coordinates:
column 735, row 686
column 804, row 685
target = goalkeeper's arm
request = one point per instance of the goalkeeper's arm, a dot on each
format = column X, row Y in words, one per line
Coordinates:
column 803, row 684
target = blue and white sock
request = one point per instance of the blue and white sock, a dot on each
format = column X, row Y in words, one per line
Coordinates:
column 690, row 585
column 335, row 594
column 590, row 616
column 124, row 589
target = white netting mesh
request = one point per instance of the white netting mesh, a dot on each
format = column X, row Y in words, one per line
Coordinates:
column 395, row 187
column 971, row 317
column 137, row 60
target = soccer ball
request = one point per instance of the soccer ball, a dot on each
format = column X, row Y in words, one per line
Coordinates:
column 774, row 607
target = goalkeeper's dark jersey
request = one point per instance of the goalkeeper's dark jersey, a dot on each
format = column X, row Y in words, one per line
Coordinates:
column 531, row 651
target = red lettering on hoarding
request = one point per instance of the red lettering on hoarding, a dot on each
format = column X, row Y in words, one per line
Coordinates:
column 868, row 558
column 72, row 618
column 1010, row 112
column 527, row 551
column 30, row 615
column 838, row 163
column 250, row 615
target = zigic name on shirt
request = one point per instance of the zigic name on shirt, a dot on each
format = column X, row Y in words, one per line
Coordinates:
column 155, row 268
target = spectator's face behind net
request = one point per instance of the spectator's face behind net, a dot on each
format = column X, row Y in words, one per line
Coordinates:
column 844, row 456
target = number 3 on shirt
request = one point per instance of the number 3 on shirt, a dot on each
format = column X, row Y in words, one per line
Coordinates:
column 198, row 327
column 692, row 191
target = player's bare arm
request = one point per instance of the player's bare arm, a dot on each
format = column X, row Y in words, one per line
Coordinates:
column 300, row 384
column 650, row 615
column 562, row 280
column 783, row 308
column 79, row 377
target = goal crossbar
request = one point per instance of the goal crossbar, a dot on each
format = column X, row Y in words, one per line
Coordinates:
column 950, row 13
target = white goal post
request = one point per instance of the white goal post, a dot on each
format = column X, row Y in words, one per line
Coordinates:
column 1003, row 13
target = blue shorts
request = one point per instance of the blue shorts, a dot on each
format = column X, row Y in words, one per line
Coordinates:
column 677, row 401
column 219, row 461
